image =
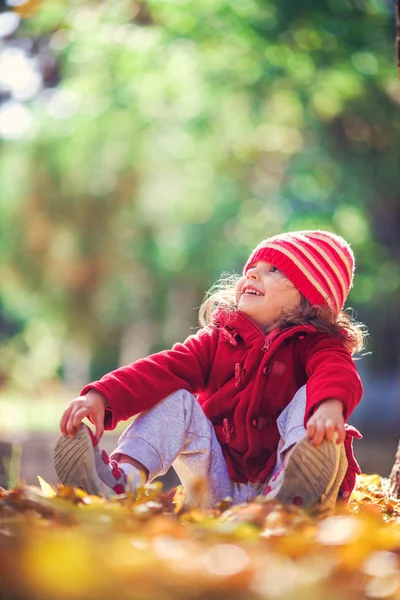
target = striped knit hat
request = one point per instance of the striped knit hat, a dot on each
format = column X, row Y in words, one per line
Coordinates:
column 319, row 263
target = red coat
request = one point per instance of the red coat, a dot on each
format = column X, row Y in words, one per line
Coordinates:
column 243, row 381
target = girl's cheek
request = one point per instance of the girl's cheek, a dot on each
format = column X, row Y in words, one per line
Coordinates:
column 288, row 284
column 239, row 287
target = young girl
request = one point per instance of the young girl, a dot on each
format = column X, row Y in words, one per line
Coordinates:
column 255, row 403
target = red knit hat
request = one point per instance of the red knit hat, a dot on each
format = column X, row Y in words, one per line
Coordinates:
column 319, row 263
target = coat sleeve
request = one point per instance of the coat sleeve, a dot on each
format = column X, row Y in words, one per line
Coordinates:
column 137, row 387
column 331, row 373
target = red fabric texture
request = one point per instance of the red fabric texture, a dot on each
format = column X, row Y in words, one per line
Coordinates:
column 243, row 380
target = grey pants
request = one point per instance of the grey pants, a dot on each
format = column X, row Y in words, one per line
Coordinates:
column 177, row 433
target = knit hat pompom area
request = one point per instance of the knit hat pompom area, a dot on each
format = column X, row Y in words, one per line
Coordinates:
column 320, row 264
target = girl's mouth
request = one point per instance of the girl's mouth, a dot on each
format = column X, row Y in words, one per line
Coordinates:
column 250, row 291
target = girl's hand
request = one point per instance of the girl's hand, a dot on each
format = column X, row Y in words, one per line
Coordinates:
column 92, row 405
column 326, row 420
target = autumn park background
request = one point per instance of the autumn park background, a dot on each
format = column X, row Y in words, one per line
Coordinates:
column 148, row 146
column 145, row 147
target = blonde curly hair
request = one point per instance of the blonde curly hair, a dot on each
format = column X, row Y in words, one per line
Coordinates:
column 344, row 326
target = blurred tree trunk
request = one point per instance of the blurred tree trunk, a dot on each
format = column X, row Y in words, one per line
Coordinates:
column 395, row 475
column 76, row 365
column 398, row 35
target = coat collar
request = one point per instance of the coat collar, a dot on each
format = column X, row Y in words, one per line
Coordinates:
column 237, row 324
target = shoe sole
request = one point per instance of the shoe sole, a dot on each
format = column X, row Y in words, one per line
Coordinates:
column 74, row 462
column 308, row 472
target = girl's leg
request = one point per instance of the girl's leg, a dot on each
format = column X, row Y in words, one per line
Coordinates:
column 175, row 432
column 304, row 474
column 291, row 426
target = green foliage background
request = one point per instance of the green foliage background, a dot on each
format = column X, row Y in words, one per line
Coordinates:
column 180, row 134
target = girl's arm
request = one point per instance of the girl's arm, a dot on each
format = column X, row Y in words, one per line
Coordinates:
column 137, row 387
column 332, row 375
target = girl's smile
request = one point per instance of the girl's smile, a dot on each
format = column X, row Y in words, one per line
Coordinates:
column 265, row 292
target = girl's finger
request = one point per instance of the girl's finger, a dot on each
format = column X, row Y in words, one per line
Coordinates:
column 98, row 421
column 70, row 427
column 80, row 414
column 64, row 419
column 329, row 429
column 342, row 433
column 319, row 433
column 311, row 429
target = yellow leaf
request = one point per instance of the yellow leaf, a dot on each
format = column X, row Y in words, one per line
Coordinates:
column 47, row 490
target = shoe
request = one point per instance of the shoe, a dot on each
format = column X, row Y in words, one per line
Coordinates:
column 79, row 462
column 309, row 474
column 327, row 502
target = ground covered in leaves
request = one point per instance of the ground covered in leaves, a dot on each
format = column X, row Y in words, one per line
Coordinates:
column 65, row 545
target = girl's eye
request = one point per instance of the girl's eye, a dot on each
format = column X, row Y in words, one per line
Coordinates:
column 274, row 270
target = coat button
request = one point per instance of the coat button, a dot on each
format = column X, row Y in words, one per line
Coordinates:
column 275, row 368
column 278, row 367
column 261, row 422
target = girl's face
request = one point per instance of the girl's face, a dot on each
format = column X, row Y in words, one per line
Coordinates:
column 264, row 293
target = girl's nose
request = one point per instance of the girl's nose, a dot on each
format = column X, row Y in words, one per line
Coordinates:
column 252, row 273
